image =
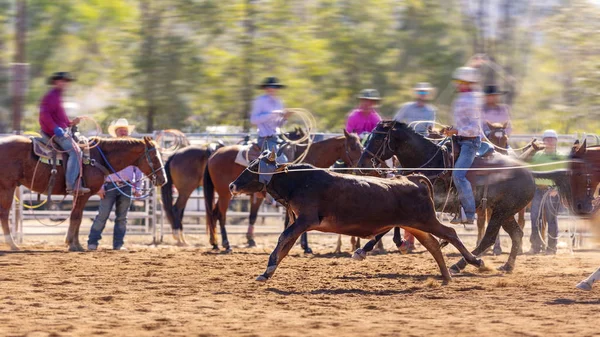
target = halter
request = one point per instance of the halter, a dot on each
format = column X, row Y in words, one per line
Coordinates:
column 386, row 143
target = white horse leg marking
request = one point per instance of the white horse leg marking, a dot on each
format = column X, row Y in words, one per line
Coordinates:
column 587, row 283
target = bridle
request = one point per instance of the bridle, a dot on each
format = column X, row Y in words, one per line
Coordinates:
column 350, row 161
column 153, row 173
column 376, row 157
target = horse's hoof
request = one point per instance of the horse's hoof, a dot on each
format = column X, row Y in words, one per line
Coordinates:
column 215, row 248
column 480, row 263
column 181, row 244
column 445, row 282
column 261, row 278
column 359, row 254
column 228, row 250
column 251, row 243
column 76, row 248
column 337, row 251
column 497, row 252
column 443, row 243
column 584, row 285
column 308, row 251
column 454, row 270
column 505, row 268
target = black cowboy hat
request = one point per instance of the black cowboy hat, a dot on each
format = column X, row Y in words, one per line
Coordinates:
column 493, row 90
column 271, row 82
column 61, row 75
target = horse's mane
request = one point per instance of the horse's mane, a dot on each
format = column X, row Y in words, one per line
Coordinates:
column 109, row 144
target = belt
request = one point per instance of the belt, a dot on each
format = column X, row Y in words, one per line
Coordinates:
column 118, row 183
column 466, row 138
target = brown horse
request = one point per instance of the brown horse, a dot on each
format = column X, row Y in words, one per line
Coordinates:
column 19, row 163
column 222, row 170
column 185, row 170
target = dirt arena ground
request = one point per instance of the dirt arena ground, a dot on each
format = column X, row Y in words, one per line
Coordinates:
column 171, row 291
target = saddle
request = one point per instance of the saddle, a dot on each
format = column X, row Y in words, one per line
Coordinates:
column 46, row 152
column 247, row 154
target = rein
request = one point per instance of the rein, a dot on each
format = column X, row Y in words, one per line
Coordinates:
column 152, row 173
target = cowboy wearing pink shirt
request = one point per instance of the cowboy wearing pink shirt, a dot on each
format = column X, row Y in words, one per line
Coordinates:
column 364, row 118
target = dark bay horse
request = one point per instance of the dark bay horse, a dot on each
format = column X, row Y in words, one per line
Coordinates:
column 222, row 170
column 347, row 204
column 508, row 190
column 18, row 163
column 185, row 170
column 499, row 138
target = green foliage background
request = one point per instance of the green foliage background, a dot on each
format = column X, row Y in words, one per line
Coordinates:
column 189, row 64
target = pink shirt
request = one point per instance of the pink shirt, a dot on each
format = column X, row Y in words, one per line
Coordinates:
column 358, row 122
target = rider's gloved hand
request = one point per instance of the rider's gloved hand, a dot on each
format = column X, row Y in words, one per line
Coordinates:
column 59, row 132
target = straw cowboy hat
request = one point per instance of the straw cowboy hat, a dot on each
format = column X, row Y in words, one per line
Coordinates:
column 369, row 94
column 466, row 74
column 425, row 86
column 120, row 123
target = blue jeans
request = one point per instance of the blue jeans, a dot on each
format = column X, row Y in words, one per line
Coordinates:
column 122, row 202
column 468, row 149
column 269, row 143
column 549, row 210
column 72, row 167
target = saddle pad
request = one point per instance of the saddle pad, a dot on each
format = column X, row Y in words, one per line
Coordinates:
column 247, row 154
column 42, row 150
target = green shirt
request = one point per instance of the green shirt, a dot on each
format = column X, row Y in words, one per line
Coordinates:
column 543, row 158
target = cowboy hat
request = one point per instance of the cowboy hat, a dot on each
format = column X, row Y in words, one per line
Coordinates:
column 120, row 123
column 61, row 75
column 271, row 82
column 423, row 86
column 493, row 90
column 466, row 74
column 369, row 94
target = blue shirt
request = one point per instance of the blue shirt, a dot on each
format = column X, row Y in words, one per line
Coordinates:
column 412, row 112
column 264, row 117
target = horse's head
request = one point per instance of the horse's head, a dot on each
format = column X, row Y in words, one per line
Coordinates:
column 257, row 175
column 378, row 148
column 498, row 135
column 584, row 177
column 151, row 164
column 352, row 148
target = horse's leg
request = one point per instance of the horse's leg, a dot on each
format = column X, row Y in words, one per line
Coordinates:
column 488, row 240
column 75, row 223
column 361, row 253
column 178, row 210
column 589, row 282
column 433, row 246
column 379, row 247
column 516, row 235
column 481, row 217
column 521, row 222
column 354, row 243
column 497, row 246
column 255, row 203
column 286, row 241
column 222, row 209
column 5, row 204
column 398, row 240
column 338, row 247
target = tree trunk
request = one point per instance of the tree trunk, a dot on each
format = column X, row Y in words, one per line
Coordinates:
column 248, row 50
column 19, row 66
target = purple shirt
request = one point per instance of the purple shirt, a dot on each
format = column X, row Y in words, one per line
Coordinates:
column 130, row 174
column 52, row 113
column 467, row 113
column 359, row 123
column 264, row 117
column 496, row 114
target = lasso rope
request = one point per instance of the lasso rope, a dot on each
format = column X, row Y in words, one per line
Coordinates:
column 179, row 140
column 309, row 123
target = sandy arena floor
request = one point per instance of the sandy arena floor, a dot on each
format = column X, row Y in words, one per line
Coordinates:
column 171, row 291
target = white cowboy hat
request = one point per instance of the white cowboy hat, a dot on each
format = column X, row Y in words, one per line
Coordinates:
column 466, row 74
column 120, row 123
column 550, row 134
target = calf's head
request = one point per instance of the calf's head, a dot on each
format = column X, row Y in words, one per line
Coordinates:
column 257, row 175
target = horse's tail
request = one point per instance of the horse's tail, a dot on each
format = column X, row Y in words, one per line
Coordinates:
column 166, row 193
column 211, row 212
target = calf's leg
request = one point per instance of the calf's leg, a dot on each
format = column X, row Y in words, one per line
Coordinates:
column 286, row 241
column 433, row 246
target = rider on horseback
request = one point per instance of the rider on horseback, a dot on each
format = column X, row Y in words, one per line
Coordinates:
column 54, row 122
column 493, row 111
column 268, row 114
column 364, row 118
column 466, row 109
